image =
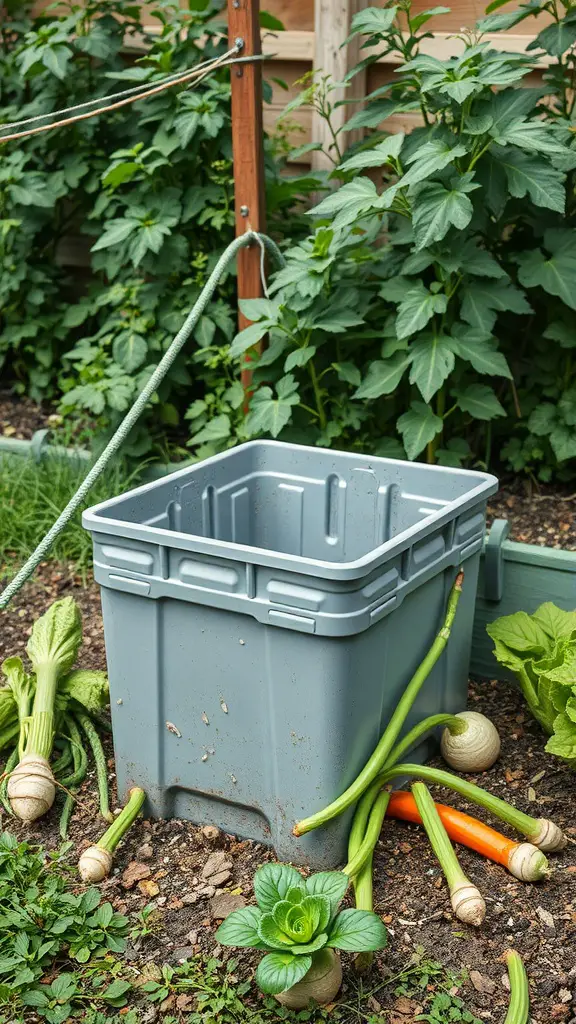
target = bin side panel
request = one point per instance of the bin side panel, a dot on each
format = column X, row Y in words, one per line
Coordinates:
column 228, row 720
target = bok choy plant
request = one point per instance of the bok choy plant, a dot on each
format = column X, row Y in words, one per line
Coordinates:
column 295, row 921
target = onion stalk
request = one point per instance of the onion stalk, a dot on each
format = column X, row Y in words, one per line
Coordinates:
column 539, row 831
column 96, row 862
column 467, row 902
column 381, row 754
column 519, row 1006
column 52, row 649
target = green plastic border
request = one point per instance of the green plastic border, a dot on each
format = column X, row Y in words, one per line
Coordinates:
column 515, row 577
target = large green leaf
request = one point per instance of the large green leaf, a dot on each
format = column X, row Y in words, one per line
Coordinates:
column 532, row 135
column 375, row 157
column 272, row 882
column 502, row 22
column 482, row 301
column 428, row 159
column 418, row 427
column 563, row 742
column 530, row 175
column 240, row 928
column 357, row 931
column 348, row 202
column 555, row 274
column 272, row 934
column 555, row 621
column 480, row 349
column 373, row 21
column 480, row 401
column 279, row 971
column 332, row 884
column 435, row 209
column 521, row 632
column 130, row 350
column 557, row 38
column 370, row 117
column 416, row 309
column 383, row 376
column 432, row 362
column 249, row 337
column 116, row 231
column 217, row 429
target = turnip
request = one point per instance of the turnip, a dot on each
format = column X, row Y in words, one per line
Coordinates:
column 475, row 748
column 96, row 862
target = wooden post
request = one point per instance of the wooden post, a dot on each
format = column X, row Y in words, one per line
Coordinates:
column 332, row 20
column 248, row 152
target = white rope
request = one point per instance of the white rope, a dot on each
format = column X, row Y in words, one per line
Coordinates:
column 117, row 95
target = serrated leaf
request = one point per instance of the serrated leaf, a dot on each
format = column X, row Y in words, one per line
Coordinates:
column 116, row 231
column 436, row 209
column 418, row 427
column 502, row 22
column 375, row 157
column 299, row 357
column 555, row 39
column 217, row 429
column 349, row 201
column 349, row 373
column 480, row 350
column 531, row 135
column 249, row 337
column 269, row 414
column 555, row 274
column 372, row 21
column 528, row 175
column 370, row 117
column 480, row 401
column 417, row 309
column 428, row 159
column 481, row 301
column 432, row 362
column 383, row 377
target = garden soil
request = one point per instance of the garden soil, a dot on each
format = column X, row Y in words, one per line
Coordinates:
column 166, row 863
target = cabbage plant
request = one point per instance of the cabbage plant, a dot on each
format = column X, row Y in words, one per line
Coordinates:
column 294, row 920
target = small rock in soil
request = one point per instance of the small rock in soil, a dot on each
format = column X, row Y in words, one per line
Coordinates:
column 144, row 852
column 547, row 920
column 183, row 952
column 224, row 903
column 134, row 873
column 220, row 878
column 216, row 864
column 210, row 832
column 481, row 983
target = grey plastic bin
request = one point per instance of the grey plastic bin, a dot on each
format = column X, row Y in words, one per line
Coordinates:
column 263, row 611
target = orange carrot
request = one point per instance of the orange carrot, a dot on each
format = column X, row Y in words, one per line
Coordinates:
column 523, row 860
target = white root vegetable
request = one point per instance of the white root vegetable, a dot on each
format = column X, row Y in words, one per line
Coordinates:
column 550, row 838
column 468, row 903
column 321, row 984
column 96, row 862
column 474, row 750
column 527, row 863
column 31, row 788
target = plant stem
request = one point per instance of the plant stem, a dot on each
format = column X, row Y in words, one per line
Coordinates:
column 519, row 1006
column 439, row 840
column 317, row 395
column 364, row 899
column 382, row 752
column 457, row 727
column 100, row 760
column 529, row 826
column 43, row 723
column 8, row 767
column 79, row 756
column 122, row 823
column 373, row 829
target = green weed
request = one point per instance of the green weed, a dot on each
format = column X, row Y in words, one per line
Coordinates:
column 33, row 495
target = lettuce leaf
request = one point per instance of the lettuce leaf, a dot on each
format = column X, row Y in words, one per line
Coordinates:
column 540, row 649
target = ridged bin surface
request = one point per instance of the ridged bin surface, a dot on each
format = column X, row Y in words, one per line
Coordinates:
column 263, row 612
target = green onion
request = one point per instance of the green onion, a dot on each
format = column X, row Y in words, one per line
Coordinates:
column 519, row 1006
column 382, row 752
column 467, row 902
column 96, row 862
column 373, row 828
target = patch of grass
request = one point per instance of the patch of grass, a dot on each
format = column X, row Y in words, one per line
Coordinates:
column 32, row 495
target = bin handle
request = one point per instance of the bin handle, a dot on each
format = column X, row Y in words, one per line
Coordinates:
column 494, row 560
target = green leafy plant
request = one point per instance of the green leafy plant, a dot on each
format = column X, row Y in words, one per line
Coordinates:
column 144, row 194
column 42, row 919
column 294, row 920
column 540, row 650
column 54, row 702
column 412, row 319
column 446, row 1008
